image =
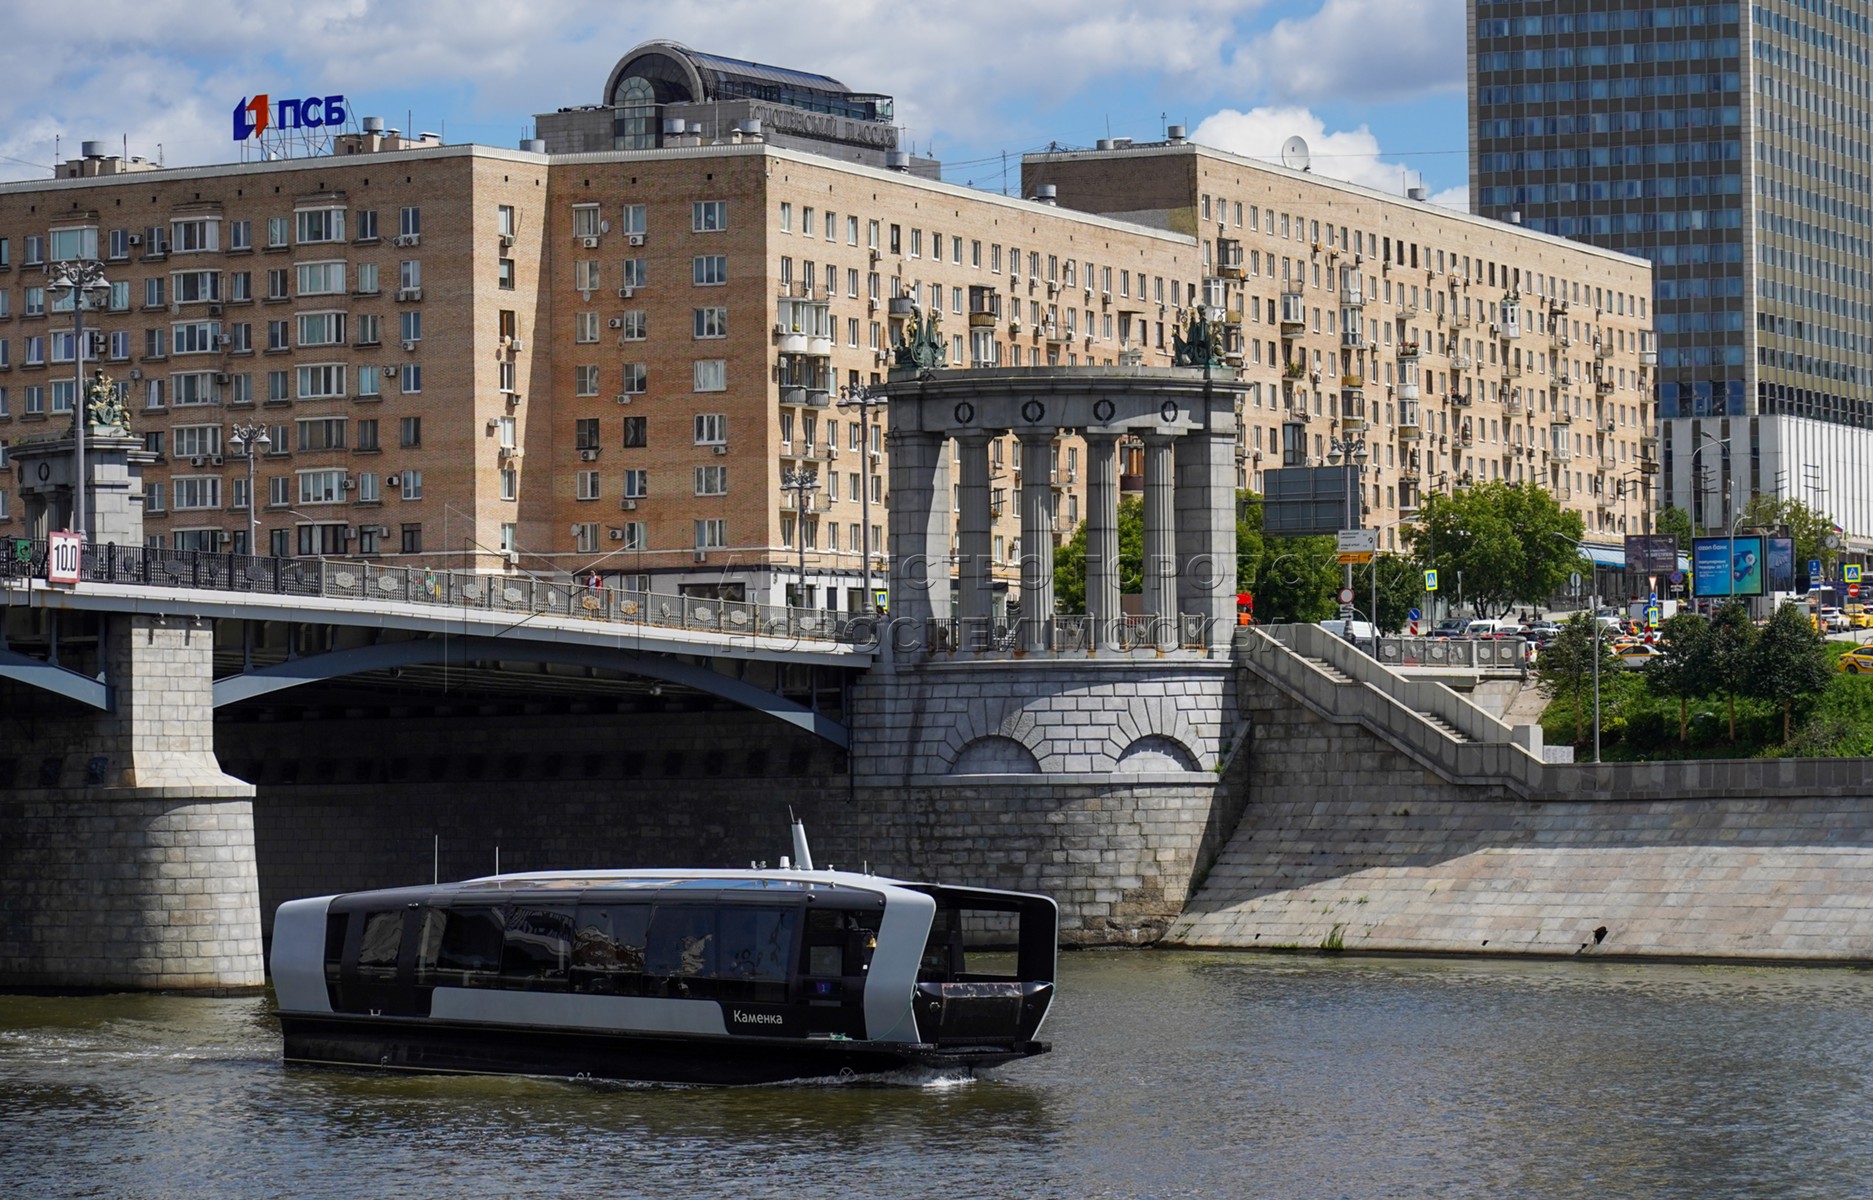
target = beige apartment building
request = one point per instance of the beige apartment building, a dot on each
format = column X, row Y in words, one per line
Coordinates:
column 618, row 361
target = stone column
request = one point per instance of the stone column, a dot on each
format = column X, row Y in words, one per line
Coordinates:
column 919, row 535
column 973, row 544
column 132, row 863
column 1037, row 540
column 1102, row 538
column 1160, row 538
column 1206, row 527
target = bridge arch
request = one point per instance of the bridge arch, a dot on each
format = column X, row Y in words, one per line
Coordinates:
column 460, row 651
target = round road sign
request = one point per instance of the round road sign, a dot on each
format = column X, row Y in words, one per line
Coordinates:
column 1346, row 595
column 1853, row 591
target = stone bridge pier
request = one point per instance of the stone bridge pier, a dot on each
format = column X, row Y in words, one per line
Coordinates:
column 126, row 854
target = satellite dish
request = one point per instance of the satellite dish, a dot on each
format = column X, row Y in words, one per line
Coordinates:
column 1294, row 154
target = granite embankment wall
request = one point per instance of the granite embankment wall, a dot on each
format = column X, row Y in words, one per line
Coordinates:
column 355, row 802
column 1367, row 833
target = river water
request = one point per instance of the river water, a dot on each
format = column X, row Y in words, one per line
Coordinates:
column 1173, row 1075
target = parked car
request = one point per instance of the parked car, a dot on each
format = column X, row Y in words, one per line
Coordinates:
column 1858, row 661
column 1636, row 655
column 1450, row 627
column 1833, row 620
column 1360, row 634
column 1542, row 632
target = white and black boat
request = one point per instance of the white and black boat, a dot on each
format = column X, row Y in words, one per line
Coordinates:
column 717, row 976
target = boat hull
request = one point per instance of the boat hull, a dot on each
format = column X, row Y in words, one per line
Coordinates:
column 461, row 1047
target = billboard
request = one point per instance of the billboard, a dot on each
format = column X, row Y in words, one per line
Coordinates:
column 1781, row 564
column 1306, row 501
column 1724, row 566
column 1651, row 553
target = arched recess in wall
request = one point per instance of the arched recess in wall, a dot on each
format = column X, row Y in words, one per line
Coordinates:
column 995, row 755
column 1155, row 753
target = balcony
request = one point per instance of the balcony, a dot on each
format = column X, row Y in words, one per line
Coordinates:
column 1409, row 430
column 1353, row 423
column 1293, row 313
column 1461, row 362
column 1409, row 391
column 1408, row 310
column 985, row 307
column 1354, row 382
column 1563, row 417
column 1352, row 296
column 1512, row 403
column 1407, row 352
column 1229, row 258
column 1352, row 337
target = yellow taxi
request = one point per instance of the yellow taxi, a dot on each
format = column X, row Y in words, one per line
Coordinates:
column 1858, row 617
column 1635, row 655
column 1858, row 661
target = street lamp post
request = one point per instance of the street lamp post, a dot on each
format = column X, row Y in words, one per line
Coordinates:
column 251, row 441
column 1593, row 615
column 858, row 396
column 800, row 483
column 1353, row 450
column 84, row 280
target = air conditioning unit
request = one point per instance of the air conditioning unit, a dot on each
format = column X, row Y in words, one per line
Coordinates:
column 720, row 450
column 617, row 535
column 615, row 323
column 136, row 372
column 223, row 378
column 590, row 243
column 346, row 485
column 517, row 345
column 409, row 293
column 625, row 293
column 507, row 241
column 393, row 481
column 408, row 345
column 224, row 340
column 702, row 556
column 136, row 239
column 637, row 239
column 624, row 397
column 628, row 504
column 588, row 456
column 198, row 461
column 214, row 460
column 832, row 452
column 223, row 536
column 511, row 557
column 214, row 310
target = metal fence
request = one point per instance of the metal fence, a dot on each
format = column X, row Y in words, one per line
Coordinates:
column 337, row 579
column 1481, row 654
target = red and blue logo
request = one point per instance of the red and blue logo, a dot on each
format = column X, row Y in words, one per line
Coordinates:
column 254, row 116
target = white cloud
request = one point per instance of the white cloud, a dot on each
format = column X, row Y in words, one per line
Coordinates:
column 1351, row 155
column 1456, row 197
column 1353, row 51
column 972, row 70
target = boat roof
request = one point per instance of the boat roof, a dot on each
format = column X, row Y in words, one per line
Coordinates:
column 749, row 882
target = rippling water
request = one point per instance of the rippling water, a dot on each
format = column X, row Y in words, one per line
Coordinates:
column 1173, row 1075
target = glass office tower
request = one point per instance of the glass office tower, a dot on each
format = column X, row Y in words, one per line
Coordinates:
column 1731, row 145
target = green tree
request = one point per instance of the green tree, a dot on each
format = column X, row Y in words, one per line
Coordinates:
column 1682, row 668
column 1501, row 540
column 1789, row 661
column 1070, row 558
column 1565, row 668
column 1401, row 589
column 1808, row 526
column 1295, row 580
column 1732, row 636
column 1677, row 522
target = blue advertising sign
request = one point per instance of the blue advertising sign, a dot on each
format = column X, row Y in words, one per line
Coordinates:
column 1781, row 564
column 1724, row 566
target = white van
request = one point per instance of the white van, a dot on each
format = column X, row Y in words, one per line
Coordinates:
column 1490, row 629
column 1361, row 630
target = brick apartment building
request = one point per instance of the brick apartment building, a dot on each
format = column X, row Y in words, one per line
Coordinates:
column 614, row 360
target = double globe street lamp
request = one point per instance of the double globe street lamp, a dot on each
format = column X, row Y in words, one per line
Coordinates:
column 250, row 441
column 83, row 280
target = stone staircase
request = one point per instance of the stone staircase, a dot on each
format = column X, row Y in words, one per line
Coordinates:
column 1429, row 722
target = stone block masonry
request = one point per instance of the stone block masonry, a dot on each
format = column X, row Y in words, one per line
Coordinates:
column 1348, row 840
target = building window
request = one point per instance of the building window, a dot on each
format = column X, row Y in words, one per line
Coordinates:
column 321, row 382
column 410, row 274
column 711, row 375
column 412, row 378
column 410, row 432
column 585, row 434
column 410, row 222
column 506, row 277
column 315, row 329
column 412, row 539
column 411, row 483
column 634, row 327
column 411, row 323
column 320, row 225
column 705, row 216
column 585, row 485
column 367, row 225
column 711, row 429
column 711, row 481
column 631, row 220
column 636, row 273
column 585, row 327
column 321, row 433
column 322, row 487
column 367, row 434
column 585, row 275
column 636, row 484
column 510, row 484
column 710, row 270
column 711, row 322
column 585, row 380
column 712, row 534
column 636, row 378
column 276, row 284
column 585, row 220
column 635, row 433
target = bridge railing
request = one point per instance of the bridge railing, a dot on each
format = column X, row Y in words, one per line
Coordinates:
column 343, row 579
column 1066, row 633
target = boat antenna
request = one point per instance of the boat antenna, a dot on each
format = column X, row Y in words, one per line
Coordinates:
column 803, row 857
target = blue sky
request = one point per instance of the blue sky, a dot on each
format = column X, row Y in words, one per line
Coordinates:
column 1376, row 86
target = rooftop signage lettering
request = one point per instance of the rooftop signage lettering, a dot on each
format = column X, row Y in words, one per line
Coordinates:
column 253, row 117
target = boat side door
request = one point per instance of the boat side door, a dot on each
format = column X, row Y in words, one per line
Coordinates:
column 380, row 951
column 835, row 954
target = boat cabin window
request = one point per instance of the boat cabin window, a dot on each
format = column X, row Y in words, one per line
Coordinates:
column 536, row 950
column 471, row 942
column 608, row 947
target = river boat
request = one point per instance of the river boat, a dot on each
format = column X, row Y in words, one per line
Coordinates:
column 692, row 976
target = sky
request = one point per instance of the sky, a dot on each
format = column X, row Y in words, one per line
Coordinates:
column 1375, row 86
